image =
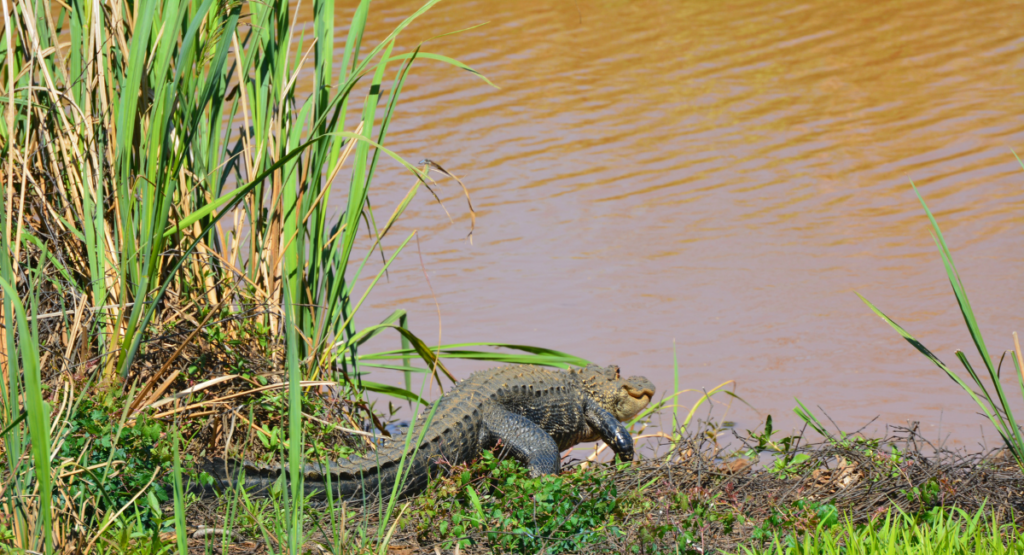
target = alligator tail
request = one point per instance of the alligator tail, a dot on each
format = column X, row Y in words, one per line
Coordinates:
column 360, row 479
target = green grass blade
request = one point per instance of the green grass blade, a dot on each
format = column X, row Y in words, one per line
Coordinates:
column 393, row 391
column 366, row 334
column 807, row 416
column 675, row 383
column 976, row 378
column 38, row 411
column 931, row 356
column 179, row 495
column 396, row 92
column 214, row 76
column 399, row 367
column 373, row 283
column 501, row 358
column 14, row 423
column 444, row 59
column 132, row 81
column 410, row 451
column 359, row 187
column 958, row 287
column 537, row 355
column 428, row 356
column 295, row 444
column 403, row 322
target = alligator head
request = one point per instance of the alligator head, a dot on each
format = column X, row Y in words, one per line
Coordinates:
column 623, row 397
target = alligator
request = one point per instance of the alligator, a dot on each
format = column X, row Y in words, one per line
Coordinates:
column 527, row 413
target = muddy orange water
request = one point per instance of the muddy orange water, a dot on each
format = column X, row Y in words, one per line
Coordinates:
column 724, row 176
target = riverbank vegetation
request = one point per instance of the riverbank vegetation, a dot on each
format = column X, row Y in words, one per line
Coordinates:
column 175, row 287
column 165, row 219
column 900, row 493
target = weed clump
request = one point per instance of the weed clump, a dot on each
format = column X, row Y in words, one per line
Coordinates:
column 512, row 511
column 115, row 462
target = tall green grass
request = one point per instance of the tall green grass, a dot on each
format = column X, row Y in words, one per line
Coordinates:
column 189, row 116
column 29, row 498
column 992, row 399
column 132, row 135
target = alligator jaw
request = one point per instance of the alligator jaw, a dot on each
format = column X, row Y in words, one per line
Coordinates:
column 642, row 394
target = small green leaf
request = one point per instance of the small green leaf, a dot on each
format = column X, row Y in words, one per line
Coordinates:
column 473, row 498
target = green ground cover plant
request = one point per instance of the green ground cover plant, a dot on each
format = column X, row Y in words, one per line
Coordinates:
column 522, row 514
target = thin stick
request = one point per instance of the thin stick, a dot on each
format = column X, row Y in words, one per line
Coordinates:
column 240, row 394
column 10, row 116
column 163, row 388
column 192, row 390
column 87, row 468
column 437, row 355
column 49, row 315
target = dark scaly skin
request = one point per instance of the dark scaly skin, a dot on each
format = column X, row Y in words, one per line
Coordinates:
column 531, row 413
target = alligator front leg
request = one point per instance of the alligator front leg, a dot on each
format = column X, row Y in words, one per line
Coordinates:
column 610, row 430
column 521, row 439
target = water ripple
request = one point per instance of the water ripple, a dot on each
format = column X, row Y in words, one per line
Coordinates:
column 724, row 175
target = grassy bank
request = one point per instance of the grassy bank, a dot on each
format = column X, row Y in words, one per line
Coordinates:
column 693, row 500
